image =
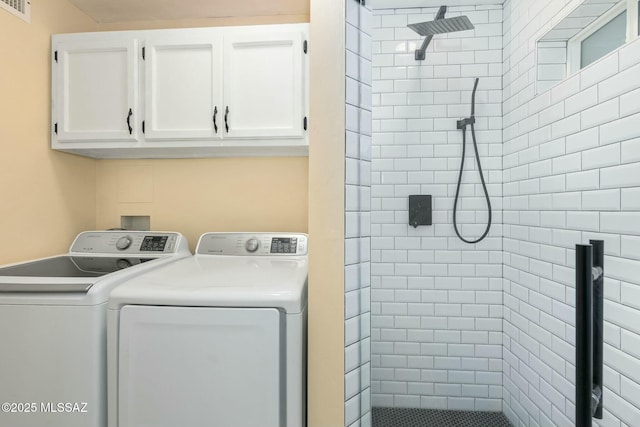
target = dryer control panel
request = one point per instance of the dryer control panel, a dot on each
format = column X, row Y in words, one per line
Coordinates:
column 252, row 244
column 127, row 242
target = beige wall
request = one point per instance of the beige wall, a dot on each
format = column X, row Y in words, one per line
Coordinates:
column 326, row 215
column 194, row 196
column 46, row 197
column 210, row 22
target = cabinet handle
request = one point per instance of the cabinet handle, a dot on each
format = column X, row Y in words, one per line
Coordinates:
column 129, row 121
column 226, row 117
column 215, row 113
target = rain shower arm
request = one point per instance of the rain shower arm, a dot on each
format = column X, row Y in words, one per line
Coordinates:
column 420, row 54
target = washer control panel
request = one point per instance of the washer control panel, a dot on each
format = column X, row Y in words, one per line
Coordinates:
column 252, row 244
column 126, row 242
column 154, row 243
column 284, row 245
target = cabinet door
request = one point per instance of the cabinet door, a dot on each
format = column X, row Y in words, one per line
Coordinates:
column 263, row 85
column 183, row 80
column 97, row 91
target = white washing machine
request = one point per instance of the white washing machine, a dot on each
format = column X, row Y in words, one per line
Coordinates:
column 53, row 344
column 218, row 339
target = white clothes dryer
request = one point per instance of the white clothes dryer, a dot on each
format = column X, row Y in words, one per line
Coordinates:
column 53, row 350
column 218, row 339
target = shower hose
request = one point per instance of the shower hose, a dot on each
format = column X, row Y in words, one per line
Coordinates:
column 462, row 125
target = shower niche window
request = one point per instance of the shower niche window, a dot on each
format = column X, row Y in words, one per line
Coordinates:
column 598, row 39
column 588, row 33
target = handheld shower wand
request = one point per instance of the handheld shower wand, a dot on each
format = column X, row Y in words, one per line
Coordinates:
column 462, row 125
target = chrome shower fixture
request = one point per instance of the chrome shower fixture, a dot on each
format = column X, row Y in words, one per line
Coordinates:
column 440, row 25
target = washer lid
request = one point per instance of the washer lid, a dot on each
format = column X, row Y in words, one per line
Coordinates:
column 71, row 266
column 61, row 273
column 220, row 281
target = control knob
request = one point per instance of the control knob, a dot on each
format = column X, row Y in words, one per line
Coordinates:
column 252, row 245
column 124, row 242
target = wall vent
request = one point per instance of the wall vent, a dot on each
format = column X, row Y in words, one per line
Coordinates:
column 20, row 8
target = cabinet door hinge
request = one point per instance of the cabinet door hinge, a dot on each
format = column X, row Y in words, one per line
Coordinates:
column 55, row 55
column 304, row 123
column 143, row 53
column 305, row 46
column 143, row 126
column 55, row 128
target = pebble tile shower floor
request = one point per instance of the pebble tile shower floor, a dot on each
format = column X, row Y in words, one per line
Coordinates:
column 409, row 417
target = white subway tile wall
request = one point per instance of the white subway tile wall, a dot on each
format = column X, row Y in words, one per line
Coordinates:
column 436, row 302
column 357, row 271
column 571, row 173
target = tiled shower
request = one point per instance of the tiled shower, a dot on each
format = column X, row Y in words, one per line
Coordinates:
column 491, row 326
column 436, row 301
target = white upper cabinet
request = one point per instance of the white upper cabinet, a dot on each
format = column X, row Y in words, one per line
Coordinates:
column 199, row 92
column 263, row 78
column 183, row 77
column 97, row 89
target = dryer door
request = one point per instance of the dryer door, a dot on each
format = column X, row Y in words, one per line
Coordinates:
column 200, row 366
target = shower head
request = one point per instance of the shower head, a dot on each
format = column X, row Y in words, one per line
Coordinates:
column 442, row 26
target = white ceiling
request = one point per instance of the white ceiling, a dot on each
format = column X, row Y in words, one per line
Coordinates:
column 152, row 10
